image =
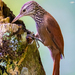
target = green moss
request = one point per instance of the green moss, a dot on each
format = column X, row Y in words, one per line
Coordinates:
column 5, row 36
column 0, row 71
column 15, row 51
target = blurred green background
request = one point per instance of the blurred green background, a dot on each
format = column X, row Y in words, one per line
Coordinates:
column 64, row 12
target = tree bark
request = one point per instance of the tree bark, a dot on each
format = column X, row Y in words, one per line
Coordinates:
column 17, row 56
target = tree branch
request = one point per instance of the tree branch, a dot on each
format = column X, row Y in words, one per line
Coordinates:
column 17, row 57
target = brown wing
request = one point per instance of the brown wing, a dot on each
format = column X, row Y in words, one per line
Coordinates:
column 54, row 29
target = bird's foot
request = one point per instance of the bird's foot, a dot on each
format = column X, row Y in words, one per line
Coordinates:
column 33, row 37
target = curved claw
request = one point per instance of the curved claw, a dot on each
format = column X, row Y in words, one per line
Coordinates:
column 34, row 38
column 37, row 44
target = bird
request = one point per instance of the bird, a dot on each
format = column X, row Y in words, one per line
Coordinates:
column 48, row 30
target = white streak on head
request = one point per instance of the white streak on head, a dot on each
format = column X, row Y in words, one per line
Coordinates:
column 27, row 4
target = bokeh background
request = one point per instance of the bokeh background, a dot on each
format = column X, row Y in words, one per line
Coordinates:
column 64, row 12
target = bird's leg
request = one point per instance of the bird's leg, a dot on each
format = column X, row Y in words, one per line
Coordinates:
column 56, row 65
column 35, row 37
column 38, row 39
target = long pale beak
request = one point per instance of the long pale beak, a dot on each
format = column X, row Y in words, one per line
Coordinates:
column 16, row 18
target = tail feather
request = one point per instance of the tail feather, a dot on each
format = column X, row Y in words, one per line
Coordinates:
column 61, row 56
column 56, row 66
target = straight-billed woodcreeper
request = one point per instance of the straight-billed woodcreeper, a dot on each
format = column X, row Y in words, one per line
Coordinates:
column 48, row 31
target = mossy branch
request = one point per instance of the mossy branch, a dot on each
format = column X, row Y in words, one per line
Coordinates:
column 17, row 57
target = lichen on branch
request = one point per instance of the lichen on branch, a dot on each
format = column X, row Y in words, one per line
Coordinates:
column 17, row 57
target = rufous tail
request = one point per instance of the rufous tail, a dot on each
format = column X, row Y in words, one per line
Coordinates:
column 56, row 65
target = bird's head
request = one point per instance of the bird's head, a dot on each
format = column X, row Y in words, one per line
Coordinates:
column 28, row 9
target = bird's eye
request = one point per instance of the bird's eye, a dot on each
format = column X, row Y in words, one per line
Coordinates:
column 24, row 10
